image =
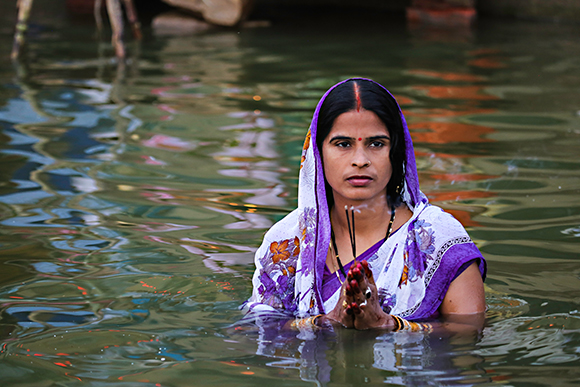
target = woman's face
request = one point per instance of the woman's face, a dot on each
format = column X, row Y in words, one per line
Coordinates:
column 355, row 155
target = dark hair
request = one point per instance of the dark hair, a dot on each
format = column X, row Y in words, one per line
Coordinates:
column 376, row 99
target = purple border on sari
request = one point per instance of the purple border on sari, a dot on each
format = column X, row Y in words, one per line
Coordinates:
column 453, row 259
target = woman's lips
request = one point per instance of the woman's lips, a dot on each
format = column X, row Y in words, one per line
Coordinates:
column 359, row 181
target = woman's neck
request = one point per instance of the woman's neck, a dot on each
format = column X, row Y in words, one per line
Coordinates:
column 371, row 222
column 368, row 214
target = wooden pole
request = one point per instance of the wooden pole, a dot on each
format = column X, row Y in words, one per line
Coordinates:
column 116, row 18
column 98, row 17
column 24, row 7
column 133, row 19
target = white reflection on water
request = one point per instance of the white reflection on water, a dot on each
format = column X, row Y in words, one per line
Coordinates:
column 573, row 231
column 542, row 340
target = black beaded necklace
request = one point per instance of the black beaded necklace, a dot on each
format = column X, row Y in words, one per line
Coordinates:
column 353, row 237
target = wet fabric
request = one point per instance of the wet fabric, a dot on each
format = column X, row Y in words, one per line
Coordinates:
column 413, row 268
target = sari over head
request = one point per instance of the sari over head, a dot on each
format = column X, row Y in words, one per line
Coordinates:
column 412, row 269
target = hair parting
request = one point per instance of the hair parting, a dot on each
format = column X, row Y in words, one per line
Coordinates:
column 357, row 96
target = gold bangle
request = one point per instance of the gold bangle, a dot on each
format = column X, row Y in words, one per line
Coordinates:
column 412, row 326
column 316, row 318
column 308, row 322
column 397, row 323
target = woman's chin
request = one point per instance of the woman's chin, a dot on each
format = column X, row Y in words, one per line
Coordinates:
column 362, row 196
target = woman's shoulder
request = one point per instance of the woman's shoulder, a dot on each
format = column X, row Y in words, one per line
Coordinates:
column 449, row 243
column 279, row 237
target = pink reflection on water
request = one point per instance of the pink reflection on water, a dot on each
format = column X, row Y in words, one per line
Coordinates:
column 150, row 160
column 161, row 141
column 163, row 227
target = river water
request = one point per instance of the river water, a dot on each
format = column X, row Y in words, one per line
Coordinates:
column 133, row 197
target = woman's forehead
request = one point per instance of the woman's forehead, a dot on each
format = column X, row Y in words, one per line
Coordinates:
column 357, row 123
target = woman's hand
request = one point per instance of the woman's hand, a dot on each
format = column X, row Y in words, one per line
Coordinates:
column 342, row 313
column 365, row 304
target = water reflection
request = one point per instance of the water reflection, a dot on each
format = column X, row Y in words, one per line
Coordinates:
column 355, row 357
column 133, row 197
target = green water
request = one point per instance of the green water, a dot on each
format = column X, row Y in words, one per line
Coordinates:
column 132, row 199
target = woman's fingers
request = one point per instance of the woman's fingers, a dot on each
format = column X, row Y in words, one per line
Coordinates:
column 355, row 287
column 361, row 301
column 353, row 308
column 368, row 271
column 365, row 264
column 371, row 314
column 342, row 312
column 353, row 273
column 348, row 290
column 359, row 278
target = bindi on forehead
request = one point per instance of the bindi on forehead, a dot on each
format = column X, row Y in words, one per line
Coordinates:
column 360, row 138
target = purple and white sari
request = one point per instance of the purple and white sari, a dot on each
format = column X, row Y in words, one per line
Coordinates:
column 413, row 268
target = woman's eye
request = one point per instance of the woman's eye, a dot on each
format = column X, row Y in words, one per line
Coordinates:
column 377, row 144
column 342, row 144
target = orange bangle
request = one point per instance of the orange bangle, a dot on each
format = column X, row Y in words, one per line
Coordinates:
column 308, row 322
column 406, row 325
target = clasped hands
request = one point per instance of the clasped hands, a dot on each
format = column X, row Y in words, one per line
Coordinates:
column 358, row 306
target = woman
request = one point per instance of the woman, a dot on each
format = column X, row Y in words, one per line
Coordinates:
column 359, row 196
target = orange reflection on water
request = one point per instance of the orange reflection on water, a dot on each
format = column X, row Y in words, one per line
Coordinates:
column 484, row 51
column 487, row 63
column 447, row 132
column 447, row 76
column 436, row 180
column 463, row 216
column 459, row 195
column 439, row 187
column 404, row 100
column 456, row 92
column 488, row 58
column 453, row 177
column 440, row 113
column 71, row 376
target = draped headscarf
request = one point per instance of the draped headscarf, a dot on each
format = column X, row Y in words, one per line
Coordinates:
column 412, row 269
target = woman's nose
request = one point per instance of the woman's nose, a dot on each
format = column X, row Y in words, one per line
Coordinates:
column 360, row 158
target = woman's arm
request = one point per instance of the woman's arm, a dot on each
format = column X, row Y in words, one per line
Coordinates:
column 465, row 294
